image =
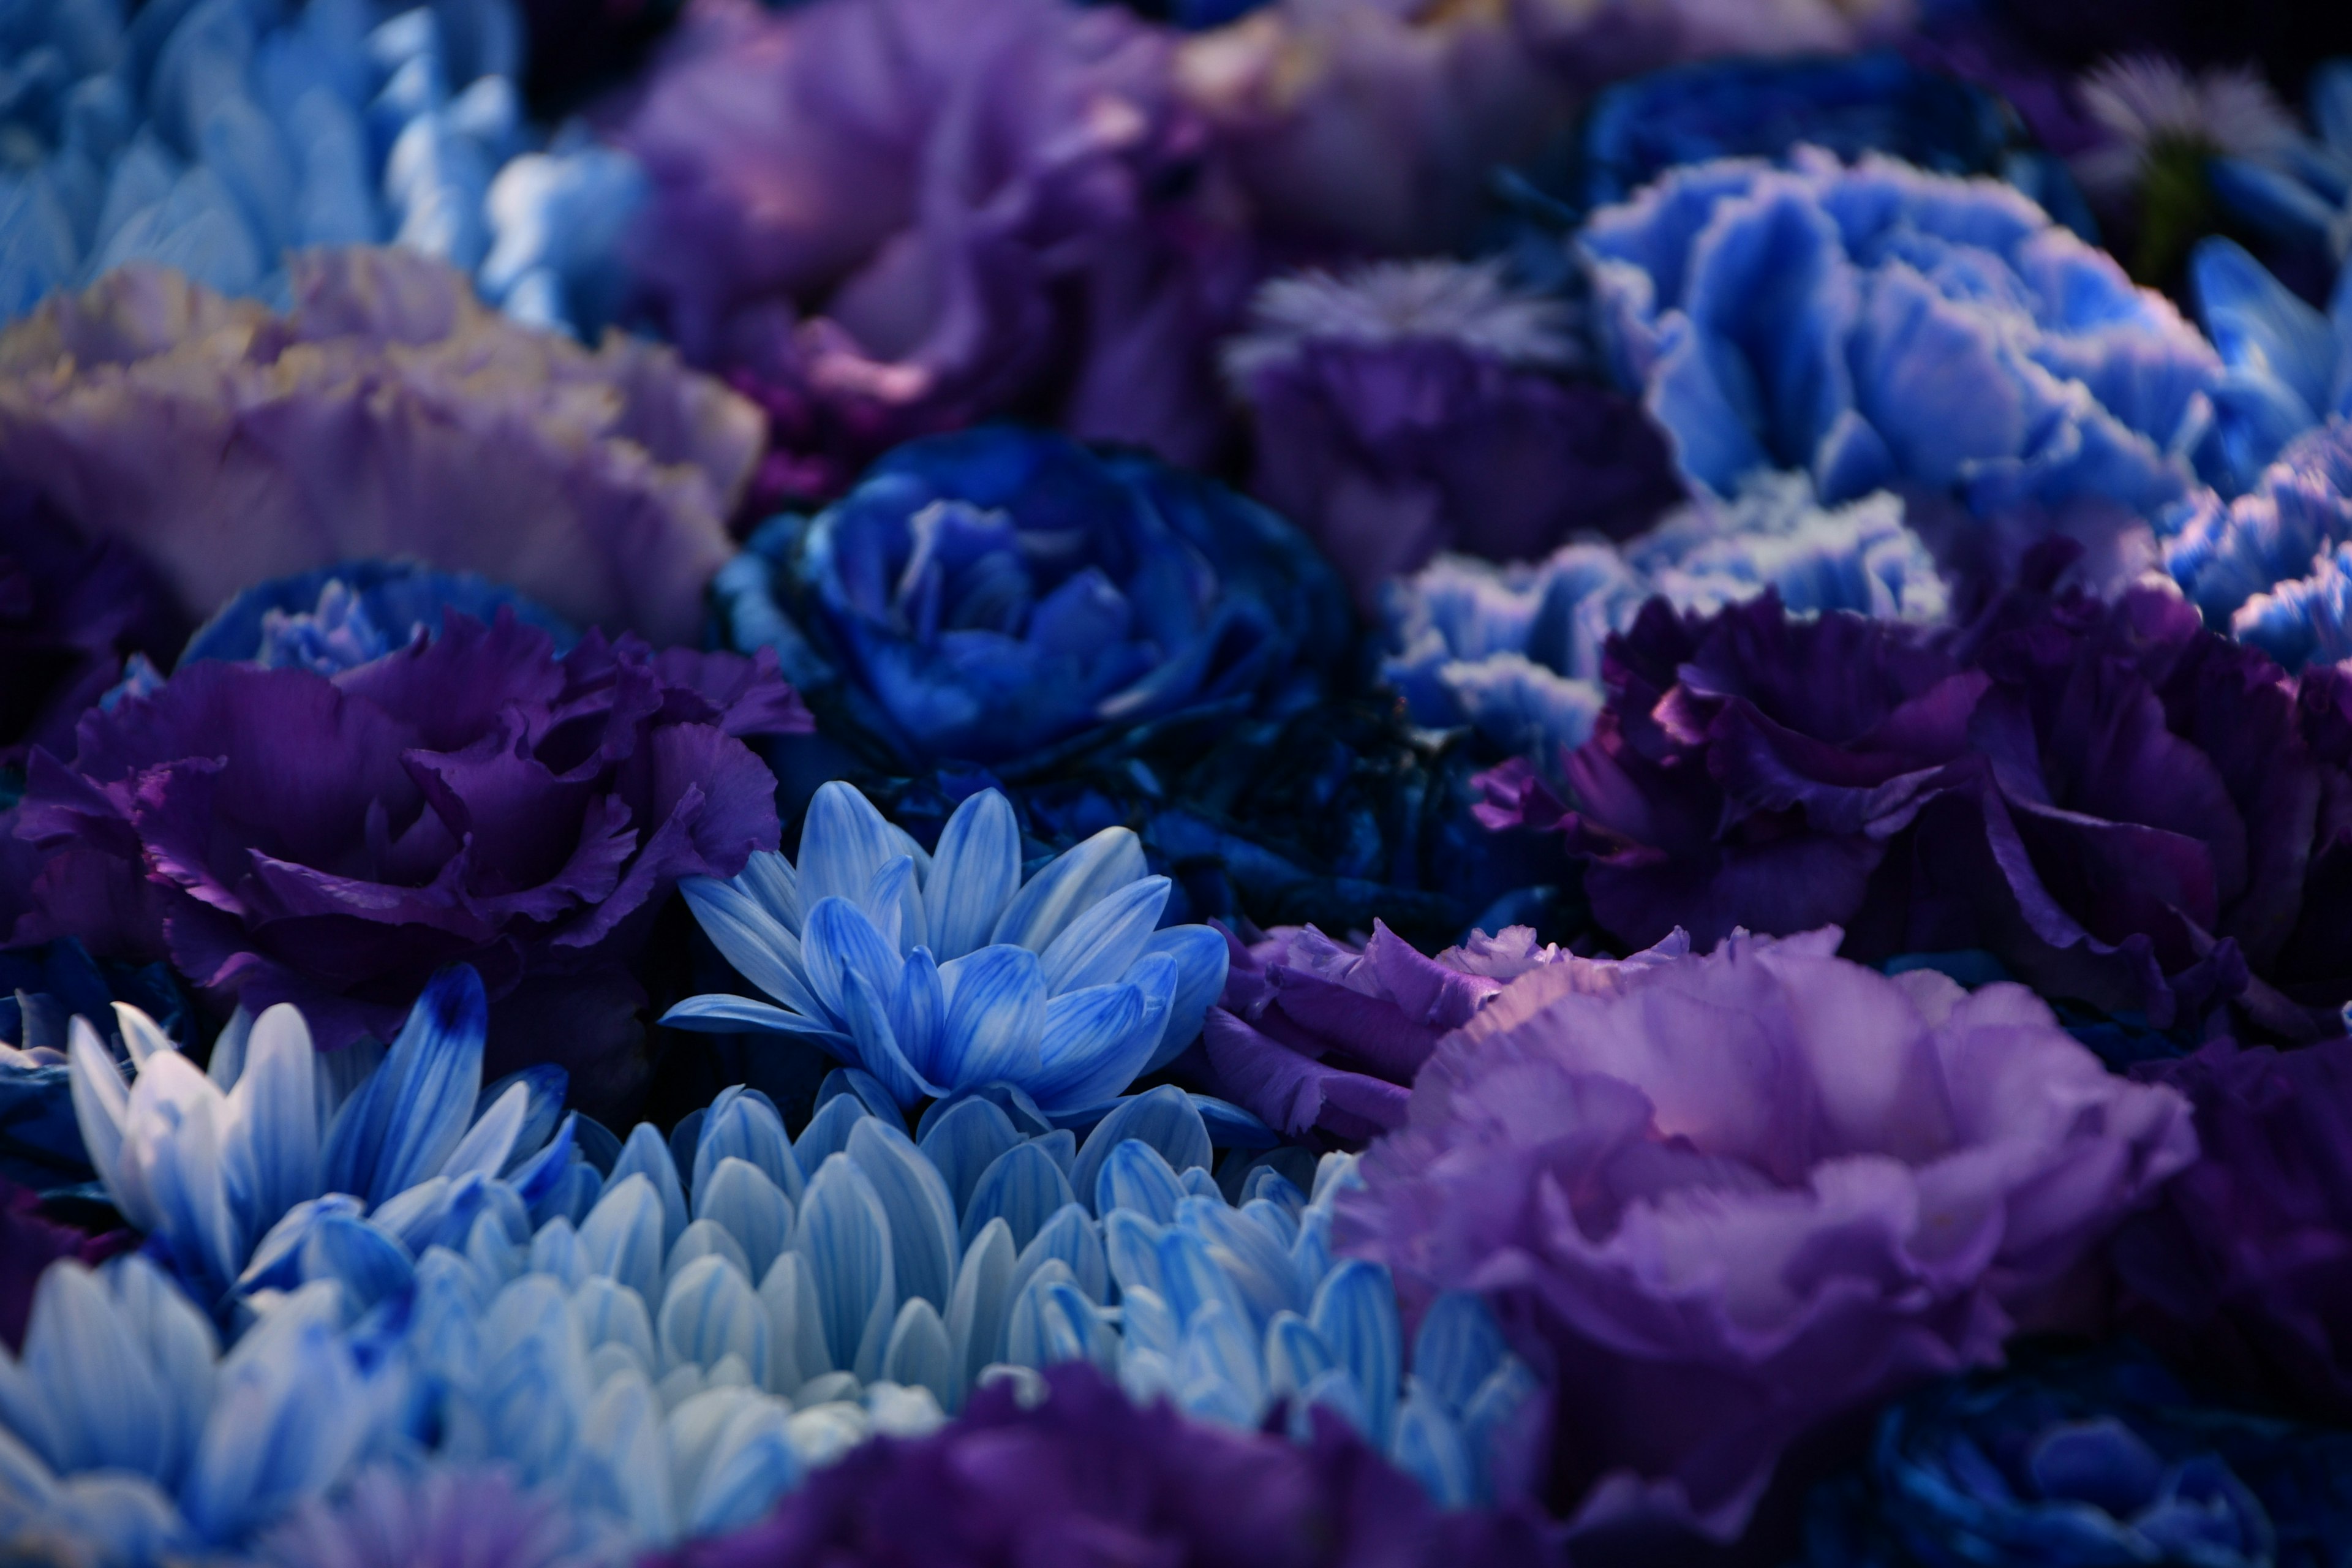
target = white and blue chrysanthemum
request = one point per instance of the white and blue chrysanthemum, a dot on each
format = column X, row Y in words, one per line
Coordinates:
column 2289, row 367
column 1514, row 650
column 945, row 972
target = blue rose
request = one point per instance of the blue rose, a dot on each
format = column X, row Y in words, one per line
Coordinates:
column 1000, row 594
column 2098, row 1459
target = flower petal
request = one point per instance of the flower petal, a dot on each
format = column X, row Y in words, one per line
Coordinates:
column 996, row 1017
column 843, row 842
column 976, row 872
column 1078, row 879
column 1098, row 947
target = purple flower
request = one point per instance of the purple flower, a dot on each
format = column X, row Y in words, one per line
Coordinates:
column 387, row 416
column 1368, row 125
column 1084, row 1476
column 1406, row 408
column 430, row 1516
column 29, row 1243
column 1729, row 1197
column 894, row 218
column 286, row 837
column 1321, row 1040
column 2245, row 1270
column 70, row 613
column 2122, row 805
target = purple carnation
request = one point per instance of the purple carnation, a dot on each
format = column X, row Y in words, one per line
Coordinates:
column 892, row 218
column 388, row 416
column 1321, row 1040
column 70, row 613
column 2122, row 805
column 1084, row 1476
column 1734, row 1196
column 1406, row 408
column 283, row 835
column 2245, row 1270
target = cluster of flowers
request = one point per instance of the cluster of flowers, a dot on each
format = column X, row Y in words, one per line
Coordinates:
column 1330, row 783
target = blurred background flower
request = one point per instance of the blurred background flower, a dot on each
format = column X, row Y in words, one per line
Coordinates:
column 388, row 416
column 1725, row 1199
column 340, row 617
column 284, row 836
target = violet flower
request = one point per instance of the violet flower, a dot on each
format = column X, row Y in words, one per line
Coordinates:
column 891, row 220
column 1730, row 1197
column 2243, row 1271
column 1083, row 1475
column 1321, row 1040
column 285, row 837
column 388, row 414
column 1406, row 408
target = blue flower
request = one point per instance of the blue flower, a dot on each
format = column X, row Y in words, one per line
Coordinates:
column 1875, row 326
column 986, row 596
column 2270, row 565
column 2300, row 194
column 340, row 617
column 2098, row 1459
column 2289, row 367
column 941, row 972
column 40, row 1146
column 1516, row 650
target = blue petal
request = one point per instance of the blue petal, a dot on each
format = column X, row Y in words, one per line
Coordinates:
column 771, row 881
column 843, row 842
column 646, row 1154
column 2260, row 326
column 491, row 1140
column 1078, row 879
column 1072, row 1238
column 1257, row 1265
column 1428, row 1447
column 895, row 904
column 1191, row 1280
column 1202, row 959
column 1052, row 1322
column 95, row 1400
column 739, row 1197
column 405, row 1121
column 704, row 1238
column 996, row 1017
column 1131, row 1244
column 982, row 1307
column 975, row 871
column 1163, row 1117
column 796, row 1350
column 840, row 938
column 1295, row 1356
column 1097, row 1040
column 1137, row 1176
column 369, row 1263
column 963, row 1141
column 273, row 1150
column 843, row 1235
column 1217, row 1373
column 547, row 1084
column 718, row 1013
column 743, row 1124
column 1025, row 1188
column 828, row 1130
column 867, row 1011
column 751, row 1464
column 1458, row 1348
column 762, row 950
column 922, row 1219
column 1098, row 948
column 711, row 1311
column 918, row 1011
column 622, row 1237
column 919, row 1354
column 1231, row 1126
column 1356, row 1313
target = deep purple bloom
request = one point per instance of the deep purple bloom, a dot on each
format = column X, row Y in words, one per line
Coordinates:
column 2243, row 1271
column 70, row 613
column 889, row 219
column 388, row 416
column 29, row 1243
column 285, row 837
column 1726, row 1198
column 1088, row 1477
column 2119, row 802
column 1403, row 409
column 1321, row 1040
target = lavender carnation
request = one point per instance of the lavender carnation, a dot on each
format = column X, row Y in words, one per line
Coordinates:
column 1084, row 1476
column 1729, row 1197
column 283, row 835
column 388, row 414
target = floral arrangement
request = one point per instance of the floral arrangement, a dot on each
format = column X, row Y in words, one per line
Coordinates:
column 936, row 783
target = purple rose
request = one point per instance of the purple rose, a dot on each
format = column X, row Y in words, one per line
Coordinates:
column 1730, row 1197
column 70, row 613
column 2245, row 1270
column 1084, row 1476
column 1321, row 1040
column 892, row 218
column 283, row 835
column 1406, row 408
column 388, row 416
column 2124, row 806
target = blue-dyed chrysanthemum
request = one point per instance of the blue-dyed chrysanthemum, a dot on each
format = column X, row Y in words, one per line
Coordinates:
column 946, row 972
column 2270, row 565
column 2288, row 366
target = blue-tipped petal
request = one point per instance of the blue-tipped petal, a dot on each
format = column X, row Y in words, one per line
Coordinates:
column 773, row 883
column 962, row 1142
column 739, row 1197
column 996, row 1017
column 1203, row 960
column 922, row 1219
column 1459, row 1347
column 843, row 842
column 490, row 1142
column 1336, row 1392
column 622, row 1237
column 547, row 1084
column 1073, row 1239
column 1217, row 1373
column 366, row 1261
column 1255, row 1263
column 1075, row 881
column 176, row 1116
column 646, row 1154
column 1162, row 1117
column 1295, row 1356
column 894, row 902
column 711, row 1311
column 918, row 1012
column 1131, row 1243
column 743, row 1124
column 757, row 943
column 403, row 1122
column 1151, row 1327
column 975, row 871
column 843, row 1235
column 1097, row 1040
column 840, row 938
column 273, row 1149
column 867, row 1011
column 1098, row 947
column 1135, row 1176
column 1428, row 1447
column 982, row 1307
column 1190, row 1280
column 1053, row 1321
column 1024, row 1188
column 861, row 1086
column 102, row 1104
column 718, row 1013
column 919, row 1354
column 1356, row 1313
